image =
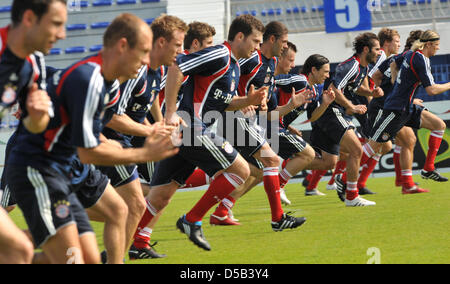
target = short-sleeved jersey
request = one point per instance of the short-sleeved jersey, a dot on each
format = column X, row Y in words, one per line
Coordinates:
column 213, row 81
column 348, row 77
column 134, row 100
column 154, row 81
column 415, row 70
column 81, row 97
column 284, row 85
column 17, row 75
column 258, row 71
column 374, row 67
column 386, row 84
column 162, row 93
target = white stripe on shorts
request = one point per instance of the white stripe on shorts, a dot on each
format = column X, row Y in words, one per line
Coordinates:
column 383, row 126
column 43, row 198
column 209, row 145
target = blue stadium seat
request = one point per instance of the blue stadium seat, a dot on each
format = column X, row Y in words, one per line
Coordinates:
column 398, row 2
column 149, row 21
column 252, row 12
column 421, row 1
column 296, row 10
column 317, row 8
column 149, row 1
column 271, row 12
column 75, row 27
column 98, row 3
column 95, row 48
column 100, row 25
column 82, row 4
column 125, row 2
column 75, row 49
column 444, row 1
column 55, row 51
column 5, row 9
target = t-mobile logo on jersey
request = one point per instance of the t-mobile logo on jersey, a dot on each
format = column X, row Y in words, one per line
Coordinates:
column 227, row 98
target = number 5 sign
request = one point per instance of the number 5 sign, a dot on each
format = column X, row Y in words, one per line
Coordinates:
column 347, row 15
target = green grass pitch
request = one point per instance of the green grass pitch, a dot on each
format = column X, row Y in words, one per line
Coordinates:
column 399, row 229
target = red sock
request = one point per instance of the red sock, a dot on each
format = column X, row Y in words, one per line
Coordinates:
column 408, row 181
column 142, row 234
column 316, row 177
column 339, row 169
column 309, row 175
column 198, row 178
column 221, row 187
column 368, row 153
column 283, row 165
column 398, row 168
column 433, row 147
column 225, row 205
column 352, row 190
column 284, row 177
column 272, row 188
column 367, row 170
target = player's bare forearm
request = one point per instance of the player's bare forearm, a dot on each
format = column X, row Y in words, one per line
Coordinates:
column 340, row 98
column 36, row 125
column 364, row 90
column 125, row 125
column 437, row 89
column 281, row 110
column 107, row 154
column 173, row 83
column 238, row 103
column 155, row 110
column 318, row 112
column 394, row 72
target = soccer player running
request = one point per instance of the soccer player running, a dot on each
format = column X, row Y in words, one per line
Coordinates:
column 258, row 72
column 390, row 45
column 399, row 108
column 35, row 27
column 130, row 127
column 405, row 140
column 83, row 93
column 199, row 36
column 347, row 79
column 315, row 71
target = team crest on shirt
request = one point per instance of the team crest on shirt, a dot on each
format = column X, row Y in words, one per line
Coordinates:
column 9, row 94
column 227, row 147
column 385, row 136
column 268, row 76
column 233, row 85
column 62, row 210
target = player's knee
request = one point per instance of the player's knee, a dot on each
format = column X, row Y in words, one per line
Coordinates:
column 441, row 125
column 27, row 252
column 20, row 252
column 271, row 161
column 138, row 207
column 119, row 211
column 411, row 141
column 309, row 154
column 330, row 164
column 240, row 168
column 91, row 257
column 356, row 150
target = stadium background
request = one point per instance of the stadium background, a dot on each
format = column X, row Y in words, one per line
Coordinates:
column 326, row 27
